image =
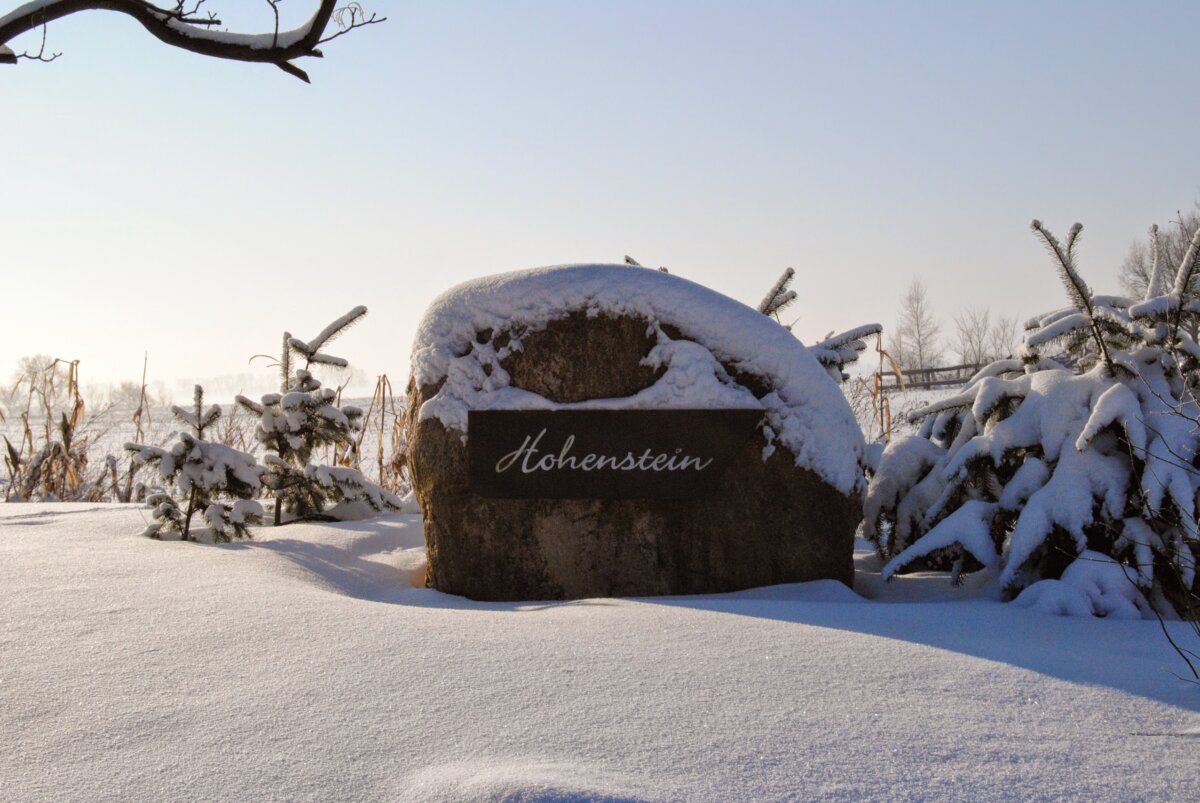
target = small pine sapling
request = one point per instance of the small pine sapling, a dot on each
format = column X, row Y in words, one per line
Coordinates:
column 204, row 476
column 303, row 417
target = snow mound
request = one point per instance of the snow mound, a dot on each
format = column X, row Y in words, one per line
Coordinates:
column 520, row 781
column 816, row 591
column 381, row 559
column 805, row 410
column 1094, row 585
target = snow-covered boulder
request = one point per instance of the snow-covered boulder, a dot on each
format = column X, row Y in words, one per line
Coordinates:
column 616, row 337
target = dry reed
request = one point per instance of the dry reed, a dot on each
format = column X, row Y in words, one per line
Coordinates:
column 391, row 463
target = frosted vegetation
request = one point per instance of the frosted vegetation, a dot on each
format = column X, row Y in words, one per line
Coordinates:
column 201, row 474
column 223, row 461
column 1073, row 463
column 1050, row 473
column 304, row 417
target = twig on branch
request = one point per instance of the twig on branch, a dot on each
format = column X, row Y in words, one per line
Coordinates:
column 274, row 4
column 183, row 28
column 41, row 54
column 349, row 17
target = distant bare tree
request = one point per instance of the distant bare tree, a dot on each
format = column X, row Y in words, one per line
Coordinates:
column 979, row 339
column 915, row 342
column 1002, row 338
column 973, row 330
column 127, row 396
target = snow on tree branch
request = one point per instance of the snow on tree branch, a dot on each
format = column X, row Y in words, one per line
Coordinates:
column 1050, row 471
column 184, row 28
column 1188, row 266
column 310, row 350
column 846, row 338
column 779, row 296
column 1157, row 284
column 1077, row 289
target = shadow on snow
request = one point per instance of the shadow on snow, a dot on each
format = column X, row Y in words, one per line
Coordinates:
column 1128, row 655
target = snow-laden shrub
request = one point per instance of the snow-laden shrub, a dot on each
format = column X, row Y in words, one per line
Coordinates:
column 1083, row 449
column 209, row 478
column 304, row 417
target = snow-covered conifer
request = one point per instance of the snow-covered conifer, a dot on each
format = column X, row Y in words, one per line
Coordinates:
column 209, row 478
column 1087, row 445
column 304, row 417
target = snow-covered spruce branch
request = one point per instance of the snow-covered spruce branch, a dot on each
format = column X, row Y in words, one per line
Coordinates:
column 1077, row 289
column 184, row 28
column 837, row 351
column 311, row 350
column 850, row 337
column 779, row 296
column 1156, row 285
column 1188, row 267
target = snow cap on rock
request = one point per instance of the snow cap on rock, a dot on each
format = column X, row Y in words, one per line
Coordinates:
column 805, row 409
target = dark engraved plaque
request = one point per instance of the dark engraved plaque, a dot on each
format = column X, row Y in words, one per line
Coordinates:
column 603, row 454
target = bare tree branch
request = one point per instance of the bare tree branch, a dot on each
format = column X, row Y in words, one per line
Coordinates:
column 180, row 27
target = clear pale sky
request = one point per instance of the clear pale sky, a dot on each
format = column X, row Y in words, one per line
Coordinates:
column 155, row 200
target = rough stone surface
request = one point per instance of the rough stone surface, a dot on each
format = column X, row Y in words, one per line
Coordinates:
column 601, row 362
column 770, row 522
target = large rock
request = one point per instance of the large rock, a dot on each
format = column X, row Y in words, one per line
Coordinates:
column 771, row 521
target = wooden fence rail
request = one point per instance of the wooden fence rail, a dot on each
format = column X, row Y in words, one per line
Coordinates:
column 926, row 378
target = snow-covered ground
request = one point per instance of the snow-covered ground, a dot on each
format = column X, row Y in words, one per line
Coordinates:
column 309, row 664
